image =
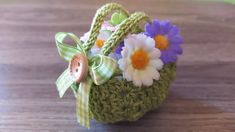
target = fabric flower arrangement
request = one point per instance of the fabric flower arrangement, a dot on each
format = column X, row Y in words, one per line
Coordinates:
column 102, row 37
column 108, row 27
column 141, row 56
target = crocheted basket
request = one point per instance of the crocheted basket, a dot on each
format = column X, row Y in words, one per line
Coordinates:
column 119, row 99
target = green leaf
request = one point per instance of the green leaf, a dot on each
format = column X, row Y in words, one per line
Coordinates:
column 122, row 17
column 117, row 18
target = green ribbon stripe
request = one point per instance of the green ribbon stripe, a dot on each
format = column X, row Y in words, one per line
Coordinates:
column 101, row 69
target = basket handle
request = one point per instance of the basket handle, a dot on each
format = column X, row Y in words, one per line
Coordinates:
column 124, row 28
column 99, row 19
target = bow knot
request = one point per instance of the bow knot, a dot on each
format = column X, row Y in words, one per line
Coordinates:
column 100, row 69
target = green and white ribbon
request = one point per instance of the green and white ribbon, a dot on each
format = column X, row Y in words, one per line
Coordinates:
column 82, row 105
column 63, row 82
column 101, row 69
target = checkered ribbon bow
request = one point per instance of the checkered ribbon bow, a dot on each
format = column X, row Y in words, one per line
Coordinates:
column 101, row 69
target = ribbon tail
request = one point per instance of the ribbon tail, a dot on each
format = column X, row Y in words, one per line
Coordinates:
column 82, row 104
column 63, row 82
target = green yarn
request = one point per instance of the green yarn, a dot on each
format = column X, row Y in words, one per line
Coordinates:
column 124, row 28
column 119, row 100
column 129, row 25
column 99, row 19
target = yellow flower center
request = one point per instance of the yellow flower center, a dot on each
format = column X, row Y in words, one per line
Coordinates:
column 139, row 59
column 99, row 43
column 161, row 42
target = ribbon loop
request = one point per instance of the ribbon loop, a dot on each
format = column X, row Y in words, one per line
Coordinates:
column 66, row 51
column 102, row 68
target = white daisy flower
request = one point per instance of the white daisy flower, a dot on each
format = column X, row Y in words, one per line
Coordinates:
column 140, row 60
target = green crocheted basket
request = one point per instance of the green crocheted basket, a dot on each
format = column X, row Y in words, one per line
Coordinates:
column 117, row 98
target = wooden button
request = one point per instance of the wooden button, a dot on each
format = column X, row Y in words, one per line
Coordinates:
column 78, row 67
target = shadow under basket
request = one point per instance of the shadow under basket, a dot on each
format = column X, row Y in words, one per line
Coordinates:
column 119, row 100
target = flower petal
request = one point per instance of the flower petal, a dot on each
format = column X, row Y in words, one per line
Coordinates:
column 153, row 73
column 165, row 27
column 156, row 75
column 172, row 56
column 141, row 42
column 157, row 64
column 84, row 38
column 119, row 48
column 136, row 78
column 95, row 50
column 176, row 48
column 169, row 56
column 146, row 79
column 128, row 74
column 129, row 44
column 156, row 26
column 176, row 39
column 124, row 52
column 122, row 64
column 150, row 43
column 149, row 31
column 107, row 26
column 173, row 31
column 104, row 34
column 155, row 53
column 163, row 57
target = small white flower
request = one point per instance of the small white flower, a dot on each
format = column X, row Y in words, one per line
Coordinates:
column 107, row 26
column 140, row 60
column 102, row 37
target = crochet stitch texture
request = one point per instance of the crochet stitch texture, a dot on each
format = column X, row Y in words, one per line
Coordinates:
column 119, row 100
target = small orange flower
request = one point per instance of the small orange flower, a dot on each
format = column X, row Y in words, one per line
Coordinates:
column 99, row 43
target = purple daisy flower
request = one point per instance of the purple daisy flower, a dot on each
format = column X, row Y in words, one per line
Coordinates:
column 119, row 48
column 167, row 39
column 117, row 52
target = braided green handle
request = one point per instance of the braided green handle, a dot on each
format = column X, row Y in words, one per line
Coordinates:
column 123, row 29
column 99, row 19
